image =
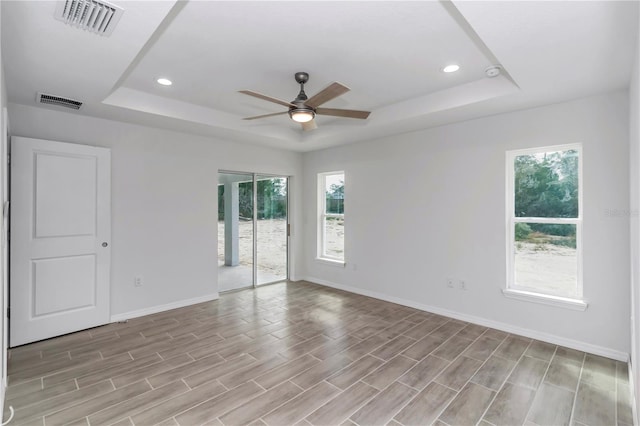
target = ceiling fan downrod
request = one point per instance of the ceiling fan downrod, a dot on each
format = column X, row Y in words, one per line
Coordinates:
column 301, row 78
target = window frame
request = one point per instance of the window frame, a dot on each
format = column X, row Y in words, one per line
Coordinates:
column 321, row 254
column 512, row 290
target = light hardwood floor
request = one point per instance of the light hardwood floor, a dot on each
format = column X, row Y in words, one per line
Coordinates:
column 303, row 354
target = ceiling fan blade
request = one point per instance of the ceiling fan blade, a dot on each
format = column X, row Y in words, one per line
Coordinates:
column 267, row 98
column 265, row 115
column 348, row 113
column 331, row 92
column 309, row 125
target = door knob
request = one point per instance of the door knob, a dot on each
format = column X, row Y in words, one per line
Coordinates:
column 105, row 244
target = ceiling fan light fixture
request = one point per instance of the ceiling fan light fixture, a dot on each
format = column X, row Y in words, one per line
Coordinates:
column 302, row 115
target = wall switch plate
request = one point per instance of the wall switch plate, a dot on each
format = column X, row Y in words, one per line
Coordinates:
column 138, row 281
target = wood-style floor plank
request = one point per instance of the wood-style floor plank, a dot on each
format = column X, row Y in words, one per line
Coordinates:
column 303, row 354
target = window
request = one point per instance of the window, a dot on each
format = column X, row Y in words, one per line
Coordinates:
column 331, row 216
column 545, row 223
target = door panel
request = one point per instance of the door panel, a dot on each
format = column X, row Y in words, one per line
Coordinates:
column 271, row 230
column 78, row 275
column 65, row 202
column 60, row 236
column 235, row 231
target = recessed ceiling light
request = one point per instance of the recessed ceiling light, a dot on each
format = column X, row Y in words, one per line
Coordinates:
column 451, row 68
column 164, row 81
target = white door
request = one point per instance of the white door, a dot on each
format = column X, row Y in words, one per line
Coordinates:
column 60, row 238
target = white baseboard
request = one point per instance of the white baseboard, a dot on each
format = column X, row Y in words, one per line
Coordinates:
column 5, row 420
column 3, row 389
column 632, row 387
column 161, row 308
column 533, row 334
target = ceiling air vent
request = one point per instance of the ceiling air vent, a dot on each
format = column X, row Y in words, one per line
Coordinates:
column 95, row 16
column 43, row 98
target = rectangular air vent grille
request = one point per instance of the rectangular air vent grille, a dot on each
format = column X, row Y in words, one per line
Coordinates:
column 95, row 16
column 58, row 100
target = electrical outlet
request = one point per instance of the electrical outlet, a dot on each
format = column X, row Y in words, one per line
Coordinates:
column 449, row 282
column 463, row 285
column 138, row 281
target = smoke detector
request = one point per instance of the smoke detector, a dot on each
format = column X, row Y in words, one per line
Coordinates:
column 99, row 17
column 43, row 98
column 493, row 71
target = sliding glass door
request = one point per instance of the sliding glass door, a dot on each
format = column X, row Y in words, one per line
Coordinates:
column 252, row 242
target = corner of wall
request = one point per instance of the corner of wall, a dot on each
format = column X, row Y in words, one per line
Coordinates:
column 3, row 248
column 634, row 207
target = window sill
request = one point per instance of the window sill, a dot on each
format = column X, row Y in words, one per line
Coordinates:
column 545, row 299
column 331, row 262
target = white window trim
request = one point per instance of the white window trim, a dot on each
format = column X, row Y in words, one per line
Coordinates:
column 331, row 262
column 576, row 301
column 321, row 219
column 546, row 299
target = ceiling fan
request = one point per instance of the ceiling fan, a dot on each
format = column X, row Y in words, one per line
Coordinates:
column 303, row 109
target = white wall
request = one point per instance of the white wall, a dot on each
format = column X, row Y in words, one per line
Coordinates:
column 634, row 215
column 429, row 205
column 164, row 201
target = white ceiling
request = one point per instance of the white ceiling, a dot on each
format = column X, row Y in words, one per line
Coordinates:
column 390, row 54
